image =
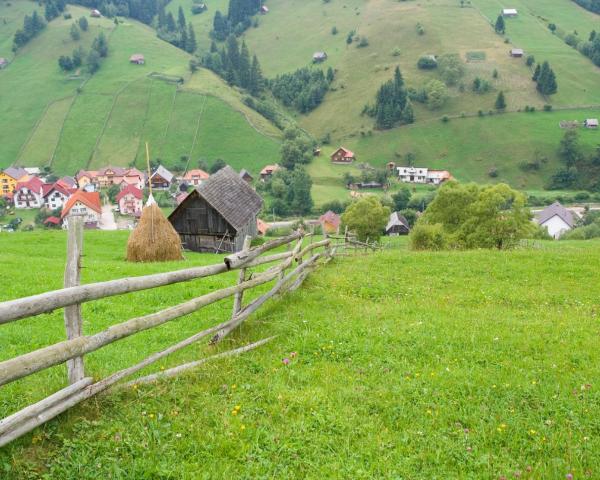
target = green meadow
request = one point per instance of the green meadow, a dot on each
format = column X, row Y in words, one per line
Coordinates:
column 72, row 121
column 476, row 364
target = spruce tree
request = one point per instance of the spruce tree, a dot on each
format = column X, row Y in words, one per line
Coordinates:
column 408, row 115
column 181, row 19
column 330, row 75
column 500, row 101
column 256, row 79
column 170, row 23
column 536, row 73
column 500, row 27
column 244, row 66
column 191, row 44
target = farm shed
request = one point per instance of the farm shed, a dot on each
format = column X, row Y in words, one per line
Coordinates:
column 137, row 58
column 591, row 123
column 397, row 225
column 246, row 176
column 95, row 13
column 343, row 155
column 319, row 57
column 268, row 171
column 509, row 12
column 217, row 215
column 516, row 52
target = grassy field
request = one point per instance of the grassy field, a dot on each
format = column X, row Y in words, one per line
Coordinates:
column 483, row 369
column 106, row 121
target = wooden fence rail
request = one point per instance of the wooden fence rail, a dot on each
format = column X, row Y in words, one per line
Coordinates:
column 72, row 351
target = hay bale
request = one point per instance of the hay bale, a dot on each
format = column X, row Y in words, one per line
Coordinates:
column 154, row 239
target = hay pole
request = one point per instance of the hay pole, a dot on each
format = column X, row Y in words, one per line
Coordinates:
column 24, row 365
column 172, row 372
column 49, row 301
column 238, row 259
column 72, row 313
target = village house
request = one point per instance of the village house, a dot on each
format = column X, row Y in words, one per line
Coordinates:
column 9, row 177
column 130, row 201
column 516, row 52
column 56, row 195
column 133, row 177
column 268, row 171
column 3, row 63
column 195, row 177
column 397, row 225
column 556, row 219
column 246, row 176
column 591, row 123
column 217, row 215
column 83, row 204
column 137, row 58
column 509, row 12
column 29, row 194
column 343, row 155
column 330, row 222
column 423, row 175
column 95, row 13
column 161, row 179
column 85, row 178
column 319, row 57
column 108, row 176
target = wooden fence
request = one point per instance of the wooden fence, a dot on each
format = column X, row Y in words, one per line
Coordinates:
column 288, row 271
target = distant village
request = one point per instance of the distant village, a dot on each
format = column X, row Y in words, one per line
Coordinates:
column 228, row 196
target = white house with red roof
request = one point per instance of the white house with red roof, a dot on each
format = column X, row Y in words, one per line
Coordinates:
column 83, row 204
column 29, row 194
column 57, row 194
column 268, row 171
column 130, row 200
column 423, row 175
column 343, row 155
column 195, row 177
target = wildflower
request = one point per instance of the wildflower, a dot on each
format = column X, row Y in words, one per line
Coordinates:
column 162, row 368
column 234, row 412
column 469, row 449
column 234, row 386
column 533, row 382
column 135, row 387
column 429, row 412
column 286, row 361
column 237, row 407
column 242, row 427
column 517, row 474
column 178, row 435
column 529, row 468
column 151, row 415
column 532, row 432
column 569, row 476
column 293, row 354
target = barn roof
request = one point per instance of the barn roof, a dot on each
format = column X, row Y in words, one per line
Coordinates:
column 163, row 173
column 231, row 196
column 395, row 220
column 556, row 209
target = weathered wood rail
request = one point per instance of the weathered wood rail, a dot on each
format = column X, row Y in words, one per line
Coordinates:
column 290, row 268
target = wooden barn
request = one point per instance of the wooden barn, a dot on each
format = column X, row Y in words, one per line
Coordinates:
column 217, row 215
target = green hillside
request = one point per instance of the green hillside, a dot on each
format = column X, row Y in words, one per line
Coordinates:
column 479, row 364
column 73, row 121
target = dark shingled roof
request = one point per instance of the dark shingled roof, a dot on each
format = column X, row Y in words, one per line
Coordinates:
column 232, row 197
column 555, row 209
column 395, row 220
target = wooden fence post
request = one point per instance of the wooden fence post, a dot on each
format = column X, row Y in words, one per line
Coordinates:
column 72, row 314
column 237, row 298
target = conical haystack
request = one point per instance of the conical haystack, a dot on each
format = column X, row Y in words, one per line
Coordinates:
column 154, row 238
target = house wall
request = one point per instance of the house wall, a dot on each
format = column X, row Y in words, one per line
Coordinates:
column 91, row 218
column 202, row 228
column 25, row 198
column 129, row 205
column 556, row 226
column 338, row 156
column 55, row 200
column 7, row 184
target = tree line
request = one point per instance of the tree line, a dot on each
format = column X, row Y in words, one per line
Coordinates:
column 32, row 25
column 178, row 33
column 142, row 10
column 392, row 106
column 579, row 170
column 303, row 89
column 91, row 59
column 233, row 63
column 237, row 20
column 591, row 5
column 53, row 8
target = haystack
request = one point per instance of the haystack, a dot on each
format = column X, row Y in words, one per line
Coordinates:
column 154, row 238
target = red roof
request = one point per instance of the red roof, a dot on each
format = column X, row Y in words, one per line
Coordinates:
column 196, row 173
column 129, row 190
column 52, row 220
column 59, row 186
column 34, row 184
column 89, row 199
column 330, row 218
column 347, row 153
column 269, row 169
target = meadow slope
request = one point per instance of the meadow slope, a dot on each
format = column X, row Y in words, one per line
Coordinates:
column 474, row 364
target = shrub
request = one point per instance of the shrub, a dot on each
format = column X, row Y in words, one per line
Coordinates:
column 420, row 29
column 493, row 172
column 334, row 30
column 547, row 108
column 396, row 52
column 428, row 237
column 530, row 60
column 445, row 119
column 364, row 42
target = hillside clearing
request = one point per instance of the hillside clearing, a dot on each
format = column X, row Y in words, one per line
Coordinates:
column 484, row 368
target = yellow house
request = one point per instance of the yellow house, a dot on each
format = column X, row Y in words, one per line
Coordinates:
column 9, row 178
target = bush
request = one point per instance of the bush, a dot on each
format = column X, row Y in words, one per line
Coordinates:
column 428, row 237
column 493, row 172
column 396, row 52
column 334, row 30
column 445, row 119
column 363, row 42
column 547, row 108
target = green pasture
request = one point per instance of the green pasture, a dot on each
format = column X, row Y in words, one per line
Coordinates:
column 477, row 364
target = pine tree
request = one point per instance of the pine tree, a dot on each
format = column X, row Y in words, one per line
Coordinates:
column 500, row 101
column 75, row 33
column 213, row 47
column 536, row 73
column 162, row 18
column 398, row 80
column 183, row 39
column 191, row 44
column 256, row 79
column 170, row 23
column 330, row 75
column 408, row 116
column 244, row 66
column 233, row 52
column 500, row 27
column 181, row 19
column 550, row 87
